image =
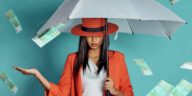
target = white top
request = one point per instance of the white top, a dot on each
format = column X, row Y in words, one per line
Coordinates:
column 93, row 83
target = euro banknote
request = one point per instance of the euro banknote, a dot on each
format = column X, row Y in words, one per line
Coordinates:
column 143, row 66
column 187, row 65
column 183, row 88
column 14, row 20
column 8, row 82
column 48, row 35
column 173, row 2
column 161, row 89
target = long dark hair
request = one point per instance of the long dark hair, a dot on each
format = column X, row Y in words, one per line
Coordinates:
column 82, row 55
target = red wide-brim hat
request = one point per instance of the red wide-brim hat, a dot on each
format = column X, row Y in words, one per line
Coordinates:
column 94, row 27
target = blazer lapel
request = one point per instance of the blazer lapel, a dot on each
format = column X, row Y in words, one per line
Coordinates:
column 79, row 83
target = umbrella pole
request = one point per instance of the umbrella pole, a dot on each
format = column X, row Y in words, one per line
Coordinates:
column 106, row 27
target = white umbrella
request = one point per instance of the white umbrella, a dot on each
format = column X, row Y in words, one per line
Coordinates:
column 132, row 16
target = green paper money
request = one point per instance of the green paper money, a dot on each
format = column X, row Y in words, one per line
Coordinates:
column 183, row 88
column 48, row 35
column 144, row 67
column 9, row 83
column 13, row 20
column 173, row 2
column 161, row 89
column 187, row 65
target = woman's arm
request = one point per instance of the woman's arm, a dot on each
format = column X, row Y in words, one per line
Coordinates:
column 42, row 80
column 63, row 88
column 37, row 74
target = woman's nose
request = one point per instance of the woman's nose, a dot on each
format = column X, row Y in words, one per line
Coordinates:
column 93, row 38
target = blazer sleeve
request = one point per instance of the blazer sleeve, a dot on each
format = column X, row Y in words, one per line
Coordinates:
column 125, row 84
column 63, row 87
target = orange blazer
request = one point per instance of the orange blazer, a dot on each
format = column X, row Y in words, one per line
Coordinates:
column 117, row 72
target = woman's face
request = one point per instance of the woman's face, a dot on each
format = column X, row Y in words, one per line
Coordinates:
column 94, row 42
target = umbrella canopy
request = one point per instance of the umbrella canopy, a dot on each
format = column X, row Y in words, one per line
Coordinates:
column 132, row 16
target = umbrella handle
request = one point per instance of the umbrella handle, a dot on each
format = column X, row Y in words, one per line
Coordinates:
column 108, row 93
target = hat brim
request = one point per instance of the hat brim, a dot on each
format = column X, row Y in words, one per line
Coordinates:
column 76, row 30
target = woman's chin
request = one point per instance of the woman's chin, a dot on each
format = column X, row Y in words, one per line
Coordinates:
column 94, row 48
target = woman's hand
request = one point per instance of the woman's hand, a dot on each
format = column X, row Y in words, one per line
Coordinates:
column 31, row 71
column 37, row 74
column 109, row 85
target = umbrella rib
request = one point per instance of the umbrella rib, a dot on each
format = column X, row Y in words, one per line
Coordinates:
column 48, row 23
column 76, row 1
column 165, row 29
column 135, row 10
column 168, row 32
column 130, row 27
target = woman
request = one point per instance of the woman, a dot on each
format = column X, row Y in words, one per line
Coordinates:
column 85, row 71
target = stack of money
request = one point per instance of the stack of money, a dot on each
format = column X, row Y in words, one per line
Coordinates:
column 9, row 83
column 173, row 2
column 161, row 89
column 143, row 66
column 48, row 35
column 13, row 20
column 183, row 88
column 187, row 65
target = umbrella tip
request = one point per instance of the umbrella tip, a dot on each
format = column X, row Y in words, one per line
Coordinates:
column 169, row 37
column 133, row 33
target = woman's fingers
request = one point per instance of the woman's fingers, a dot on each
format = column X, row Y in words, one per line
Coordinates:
column 108, row 79
column 22, row 70
column 108, row 83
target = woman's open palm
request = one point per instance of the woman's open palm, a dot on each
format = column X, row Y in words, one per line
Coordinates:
column 36, row 73
column 31, row 71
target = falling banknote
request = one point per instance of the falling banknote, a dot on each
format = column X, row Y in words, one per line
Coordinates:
column 7, row 80
column 13, row 20
column 48, row 35
column 173, row 2
column 144, row 67
column 187, row 65
column 183, row 88
column 161, row 89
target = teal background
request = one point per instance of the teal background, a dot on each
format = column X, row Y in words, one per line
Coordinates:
column 164, row 56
